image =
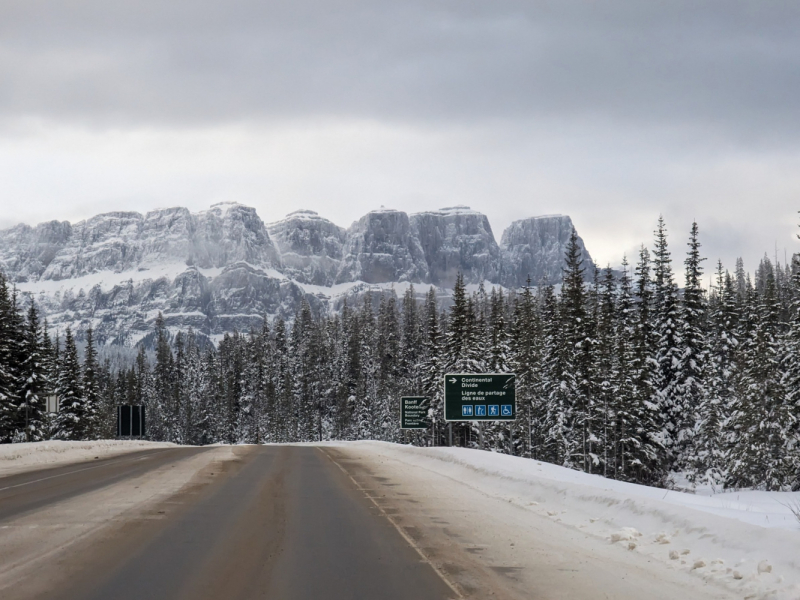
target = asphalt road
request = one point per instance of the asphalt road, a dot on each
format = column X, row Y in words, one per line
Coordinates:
column 283, row 523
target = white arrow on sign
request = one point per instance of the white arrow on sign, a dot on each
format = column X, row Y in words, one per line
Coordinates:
column 453, row 380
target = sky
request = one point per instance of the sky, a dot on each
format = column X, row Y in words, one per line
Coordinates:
column 611, row 112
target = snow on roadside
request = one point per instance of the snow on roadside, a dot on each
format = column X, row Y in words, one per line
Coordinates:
column 746, row 541
column 15, row 458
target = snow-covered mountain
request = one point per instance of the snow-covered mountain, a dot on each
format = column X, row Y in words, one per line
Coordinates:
column 224, row 269
column 534, row 248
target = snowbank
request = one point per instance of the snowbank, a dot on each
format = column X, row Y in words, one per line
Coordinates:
column 29, row 456
column 747, row 541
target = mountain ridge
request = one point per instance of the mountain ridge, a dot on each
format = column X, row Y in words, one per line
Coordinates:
column 224, row 269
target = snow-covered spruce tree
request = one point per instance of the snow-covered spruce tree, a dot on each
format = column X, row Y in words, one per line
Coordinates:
column 11, row 359
column 280, row 426
column 526, row 358
column 362, row 345
column 459, row 355
column 212, row 423
column 303, row 370
column 459, row 343
column 669, row 347
column 50, row 361
column 433, row 366
column 790, row 366
column 7, row 377
column 246, row 422
column 91, row 388
column 762, row 419
column 631, row 451
column 32, row 379
column 577, row 330
column 341, row 421
column 160, row 405
column 71, row 422
column 558, row 381
column 708, row 466
column 411, row 349
column 330, row 373
column 387, row 348
column 178, row 404
column 645, row 372
column 691, row 372
column 605, row 351
column 412, row 356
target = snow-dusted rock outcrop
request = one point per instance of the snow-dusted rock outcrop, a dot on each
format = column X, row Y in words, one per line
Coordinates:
column 383, row 247
column 457, row 239
column 310, row 247
column 535, row 248
column 224, row 269
column 25, row 252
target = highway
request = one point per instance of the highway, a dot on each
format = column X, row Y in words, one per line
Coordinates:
column 277, row 522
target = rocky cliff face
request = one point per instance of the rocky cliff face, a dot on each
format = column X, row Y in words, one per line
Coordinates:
column 224, row 269
column 383, row 247
column 535, row 248
column 457, row 239
column 310, row 247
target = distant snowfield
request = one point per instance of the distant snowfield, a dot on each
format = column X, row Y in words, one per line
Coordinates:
column 15, row 458
column 747, row 543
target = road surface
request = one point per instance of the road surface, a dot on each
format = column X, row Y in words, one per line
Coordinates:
column 361, row 521
column 274, row 522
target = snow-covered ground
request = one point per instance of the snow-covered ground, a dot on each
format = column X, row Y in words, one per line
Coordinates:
column 745, row 542
column 15, row 458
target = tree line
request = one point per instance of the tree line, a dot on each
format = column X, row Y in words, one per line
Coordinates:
column 619, row 373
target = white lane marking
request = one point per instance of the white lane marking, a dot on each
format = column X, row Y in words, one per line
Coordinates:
column 9, row 487
column 406, row 537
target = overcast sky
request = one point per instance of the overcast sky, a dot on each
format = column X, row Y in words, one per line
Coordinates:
column 611, row 112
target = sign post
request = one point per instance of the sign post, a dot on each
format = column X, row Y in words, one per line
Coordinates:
column 480, row 397
column 130, row 421
column 414, row 412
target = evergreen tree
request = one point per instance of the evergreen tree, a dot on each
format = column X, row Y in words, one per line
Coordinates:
column 91, row 388
column 72, row 404
column 526, row 357
column 762, row 450
column 577, row 383
column 709, row 461
column 691, row 371
column 669, row 349
column 433, row 366
column 32, row 379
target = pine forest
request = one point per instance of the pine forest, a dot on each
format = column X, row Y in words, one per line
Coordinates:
column 623, row 373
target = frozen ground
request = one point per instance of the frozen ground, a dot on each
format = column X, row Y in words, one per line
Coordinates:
column 726, row 545
column 15, row 458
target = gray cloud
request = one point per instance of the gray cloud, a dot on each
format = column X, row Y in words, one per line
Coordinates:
column 612, row 112
column 730, row 68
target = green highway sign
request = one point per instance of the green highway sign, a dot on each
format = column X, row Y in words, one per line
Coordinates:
column 480, row 397
column 414, row 412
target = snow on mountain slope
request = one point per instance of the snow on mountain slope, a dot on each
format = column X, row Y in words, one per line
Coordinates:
column 742, row 544
column 310, row 247
column 224, row 269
